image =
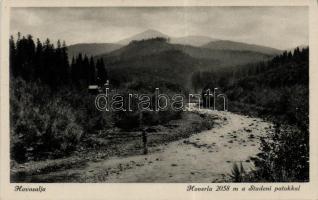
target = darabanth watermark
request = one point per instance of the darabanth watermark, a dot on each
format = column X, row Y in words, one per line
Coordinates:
column 110, row 101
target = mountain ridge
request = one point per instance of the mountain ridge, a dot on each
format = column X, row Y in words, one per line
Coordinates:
column 157, row 45
column 94, row 49
column 240, row 46
column 193, row 40
column 91, row 49
column 148, row 34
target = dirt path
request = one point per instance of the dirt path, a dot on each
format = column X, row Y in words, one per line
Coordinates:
column 204, row 157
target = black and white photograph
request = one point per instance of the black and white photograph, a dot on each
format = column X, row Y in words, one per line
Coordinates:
column 159, row 94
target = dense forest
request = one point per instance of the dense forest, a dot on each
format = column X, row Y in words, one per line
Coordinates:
column 42, row 61
column 267, row 89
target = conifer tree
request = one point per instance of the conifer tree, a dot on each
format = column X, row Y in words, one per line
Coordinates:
column 101, row 72
column 13, row 69
column 92, row 71
column 39, row 60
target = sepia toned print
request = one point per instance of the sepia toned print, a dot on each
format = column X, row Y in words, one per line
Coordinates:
column 159, row 94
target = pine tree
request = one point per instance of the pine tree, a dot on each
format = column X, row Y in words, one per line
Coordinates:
column 49, row 75
column 79, row 68
column 65, row 64
column 92, row 72
column 39, row 60
column 101, row 72
column 13, row 70
column 58, row 67
column 74, row 72
column 30, row 54
column 85, row 72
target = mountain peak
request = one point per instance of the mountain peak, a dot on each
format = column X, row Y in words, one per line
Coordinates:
column 152, row 31
column 147, row 34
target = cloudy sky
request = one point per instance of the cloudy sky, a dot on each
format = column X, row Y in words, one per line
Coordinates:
column 279, row 27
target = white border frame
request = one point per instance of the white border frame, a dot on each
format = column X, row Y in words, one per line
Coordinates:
column 141, row 191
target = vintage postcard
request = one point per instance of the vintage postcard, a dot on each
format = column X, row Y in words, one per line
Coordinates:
column 172, row 99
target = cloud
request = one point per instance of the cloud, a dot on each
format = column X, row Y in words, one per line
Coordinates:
column 280, row 27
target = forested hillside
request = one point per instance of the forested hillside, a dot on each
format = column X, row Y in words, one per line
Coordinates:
column 265, row 85
column 224, row 57
column 49, row 64
column 91, row 49
column 239, row 46
column 157, row 59
column 277, row 90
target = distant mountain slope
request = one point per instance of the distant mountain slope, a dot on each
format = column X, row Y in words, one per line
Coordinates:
column 187, row 40
column 203, row 47
column 224, row 57
column 239, row 46
column 159, row 60
column 192, row 40
column 168, row 69
column 153, row 61
column 148, row 34
column 91, row 49
column 139, row 48
column 154, row 46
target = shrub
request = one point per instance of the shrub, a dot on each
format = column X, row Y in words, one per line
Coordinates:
column 284, row 156
column 40, row 128
column 237, row 173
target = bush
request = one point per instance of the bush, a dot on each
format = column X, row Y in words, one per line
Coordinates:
column 284, row 156
column 237, row 173
column 40, row 128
